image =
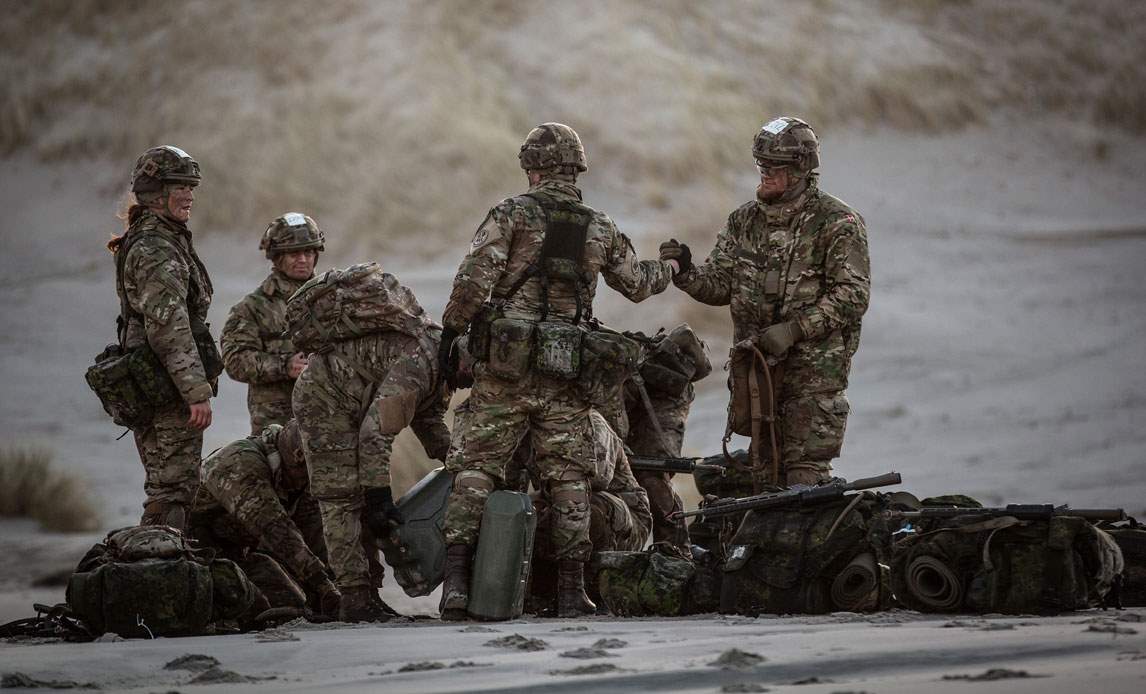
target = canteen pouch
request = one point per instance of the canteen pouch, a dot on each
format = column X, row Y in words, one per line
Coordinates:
column 558, row 349
column 510, row 348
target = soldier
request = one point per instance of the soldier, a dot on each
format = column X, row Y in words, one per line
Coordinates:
column 538, row 256
column 352, row 399
column 164, row 294
column 793, row 266
column 256, row 349
column 676, row 360
column 255, row 499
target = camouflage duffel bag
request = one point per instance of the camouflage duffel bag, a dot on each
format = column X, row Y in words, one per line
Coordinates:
column 809, row 560
column 145, row 581
column 655, row 582
column 1003, row 564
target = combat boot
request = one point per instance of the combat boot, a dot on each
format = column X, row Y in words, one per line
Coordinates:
column 361, row 604
column 571, row 598
column 172, row 514
column 456, row 587
column 327, row 598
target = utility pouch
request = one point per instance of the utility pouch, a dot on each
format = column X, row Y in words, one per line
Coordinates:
column 478, row 341
column 744, row 379
column 510, row 348
column 130, row 385
column 607, row 358
column 558, row 349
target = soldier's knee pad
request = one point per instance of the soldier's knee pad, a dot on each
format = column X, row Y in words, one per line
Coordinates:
column 570, row 495
column 396, row 411
column 475, row 481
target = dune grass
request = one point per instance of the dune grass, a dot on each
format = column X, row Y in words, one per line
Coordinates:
column 31, row 487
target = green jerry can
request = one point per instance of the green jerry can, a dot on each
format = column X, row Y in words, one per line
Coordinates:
column 501, row 563
column 416, row 551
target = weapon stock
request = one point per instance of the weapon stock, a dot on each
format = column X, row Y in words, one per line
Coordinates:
column 795, row 497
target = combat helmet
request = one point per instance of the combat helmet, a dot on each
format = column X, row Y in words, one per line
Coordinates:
column 293, row 231
column 160, row 165
column 552, row 146
column 787, row 140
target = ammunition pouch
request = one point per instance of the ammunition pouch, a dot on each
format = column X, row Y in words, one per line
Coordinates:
column 607, row 359
column 510, row 348
column 557, row 352
column 478, row 341
column 131, row 385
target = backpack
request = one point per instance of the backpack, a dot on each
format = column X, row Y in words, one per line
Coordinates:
column 343, row 304
column 809, row 559
column 1130, row 537
column 1003, row 564
column 146, row 581
column 656, row 582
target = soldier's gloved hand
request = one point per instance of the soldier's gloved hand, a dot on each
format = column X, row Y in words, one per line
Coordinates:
column 382, row 516
column 680, row 252
column 445, row 347
column 777, row 339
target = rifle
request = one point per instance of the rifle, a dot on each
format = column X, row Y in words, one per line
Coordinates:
column 1020, row 511
column 713, row 463
column 797, row 496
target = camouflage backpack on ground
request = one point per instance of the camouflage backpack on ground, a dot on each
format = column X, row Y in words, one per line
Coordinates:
column 145, row 581
column 344, row 304
column 1003, row 564
column 655, row 582
column 809, row 560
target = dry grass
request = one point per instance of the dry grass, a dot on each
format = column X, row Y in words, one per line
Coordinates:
column 31, row 488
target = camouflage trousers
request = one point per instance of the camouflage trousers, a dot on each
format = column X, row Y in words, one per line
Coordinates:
column 170, row 451
column 269, row 403
column 644, row 439
column 345, row 448
column 552, row 417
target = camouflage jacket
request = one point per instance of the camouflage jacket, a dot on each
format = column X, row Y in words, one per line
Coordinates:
column 167, row 288
column 238, row 483
column 257, row 350
column 804, row 261
column 508, row 242
column 623, row 485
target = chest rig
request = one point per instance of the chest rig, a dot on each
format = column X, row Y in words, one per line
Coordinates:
column 561, row 255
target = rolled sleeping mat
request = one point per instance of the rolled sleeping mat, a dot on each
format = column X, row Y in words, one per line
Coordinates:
column 934, row 584
column 856, row 588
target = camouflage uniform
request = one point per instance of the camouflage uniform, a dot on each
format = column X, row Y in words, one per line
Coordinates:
column 167, row 289
column 803, row 260
column 257, row 351
column 337, row 401
column 671, row 413
column 553, row 413
column 247, row 503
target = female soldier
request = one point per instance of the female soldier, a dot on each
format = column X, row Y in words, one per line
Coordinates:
column 164, row 294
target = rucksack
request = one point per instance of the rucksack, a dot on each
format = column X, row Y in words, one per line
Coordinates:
column 656, row 582
column 1003, row 564
column 145, row 581
column 809, row 559
column 357, row 301
column 1131, row 539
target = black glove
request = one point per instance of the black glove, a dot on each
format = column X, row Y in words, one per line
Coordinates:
column 680, row 252
column 777, row 339
column 446, row 367
column 381, row 514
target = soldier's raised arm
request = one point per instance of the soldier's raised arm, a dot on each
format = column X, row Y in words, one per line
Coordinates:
column 636, row 279
column 479, row 270
column 711, row 283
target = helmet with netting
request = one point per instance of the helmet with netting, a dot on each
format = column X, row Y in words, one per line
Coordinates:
column 293, row 231
column 159, row 166
column 553, row 147
column 787, row 140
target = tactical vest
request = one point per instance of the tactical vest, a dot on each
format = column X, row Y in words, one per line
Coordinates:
column 132, row 383
column 1003, row 564
column 145, row 581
